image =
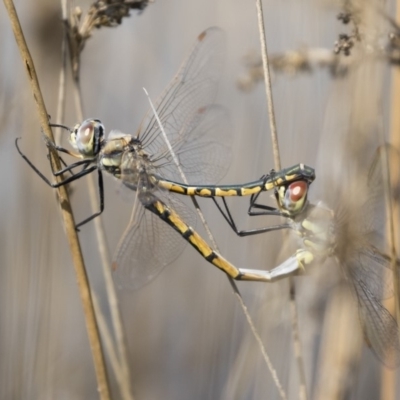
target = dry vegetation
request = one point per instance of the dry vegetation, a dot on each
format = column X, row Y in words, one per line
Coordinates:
column 185, row 335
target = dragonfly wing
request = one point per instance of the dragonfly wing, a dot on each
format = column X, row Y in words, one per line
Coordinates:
column 368, row 264
column 147, row 246
column 184, row 109
column 204, row 151
column 374, row 219
column 380, row 327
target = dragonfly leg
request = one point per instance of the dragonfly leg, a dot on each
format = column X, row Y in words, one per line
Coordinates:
column 85, row 171
column 65, row 181
column 61, row 149
column 69, row 168
column 229, row 219
column 101, row 196
column 294, row 265
column 62, row 162
column 66, row 128
column 266, row 210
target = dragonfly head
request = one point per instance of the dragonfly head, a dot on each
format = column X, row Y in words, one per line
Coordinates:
column 292, row 198
column 87, row 137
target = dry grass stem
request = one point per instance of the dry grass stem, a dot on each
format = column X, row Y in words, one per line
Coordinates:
column 268, row 86
column 277, row 164
column 230, row 279
column 102, row 13
column 83, row 283
column 183, row 333
column 335, row 59
column 61, row 88
column 293, row 62
column 120, row 370
column 388, row 387
column 281, row 391
column 124, row 380
column 340, row 349
column 298, row 350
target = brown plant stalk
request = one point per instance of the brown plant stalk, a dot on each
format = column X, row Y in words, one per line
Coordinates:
column 68, row 219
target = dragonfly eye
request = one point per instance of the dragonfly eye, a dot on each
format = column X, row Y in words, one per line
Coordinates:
column 297, row 190
column 87, row 137
column 292, row 198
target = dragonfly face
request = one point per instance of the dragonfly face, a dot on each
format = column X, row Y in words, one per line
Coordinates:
column 313, row 223
column 87, row 137
column 292, row 198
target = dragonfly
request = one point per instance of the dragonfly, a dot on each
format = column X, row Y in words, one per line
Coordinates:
column 352, row 236
column 198, row 134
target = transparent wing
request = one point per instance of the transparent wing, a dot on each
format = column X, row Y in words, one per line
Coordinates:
column 352, row 125
column 148, row 244
column 374, row 209
column 350, row 133
column 361, row 237
column 192, row 125
column 367, row 264
column 203, row 152
column 362, row 218
column 380, row 328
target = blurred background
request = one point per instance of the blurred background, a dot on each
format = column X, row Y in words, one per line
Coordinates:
column 186, row 333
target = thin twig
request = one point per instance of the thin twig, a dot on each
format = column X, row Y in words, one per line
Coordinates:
column 101, row 13
column 391, row 178
column 214, row 244
column 298, row 350
column 107, row 339
column 388, row 386
column 176, row 161
column 125, row 383
column 264, row 353
column 395, row 140
column 268, row 87
column 61, row 82
column 277, row 164
column 305, row 60
column 122, row 373
column 69, row 223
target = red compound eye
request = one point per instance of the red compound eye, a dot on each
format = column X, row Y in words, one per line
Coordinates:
column 297, row 190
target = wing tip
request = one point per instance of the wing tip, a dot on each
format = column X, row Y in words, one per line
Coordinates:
column 202, row 36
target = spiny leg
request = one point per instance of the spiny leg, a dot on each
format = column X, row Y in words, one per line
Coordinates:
column 63, row 182
column 267, row 210
column 101, row 196
column 229, row 219
column 85, row 171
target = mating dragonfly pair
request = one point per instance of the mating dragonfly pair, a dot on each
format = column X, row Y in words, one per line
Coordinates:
column 197, row 130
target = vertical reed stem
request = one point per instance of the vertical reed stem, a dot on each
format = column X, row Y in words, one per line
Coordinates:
column 69, row 223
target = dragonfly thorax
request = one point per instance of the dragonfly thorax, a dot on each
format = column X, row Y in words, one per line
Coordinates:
column 316, row 227
column 110, row 157
column 124, row 158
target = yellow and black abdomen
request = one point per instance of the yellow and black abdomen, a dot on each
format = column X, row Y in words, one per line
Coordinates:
column 167, row 214
column 265, row 183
